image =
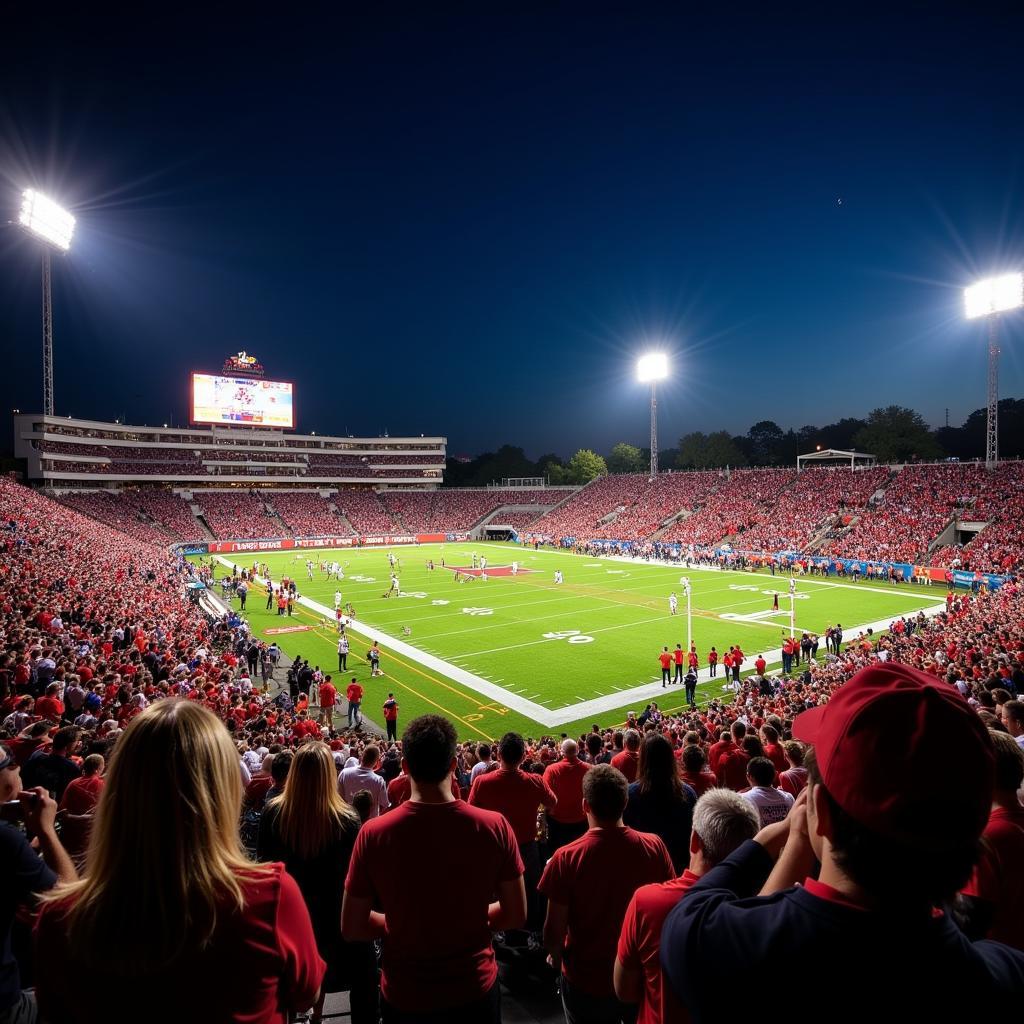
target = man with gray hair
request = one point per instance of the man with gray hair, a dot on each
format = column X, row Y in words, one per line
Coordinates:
column 566, row 820
column 722, row 820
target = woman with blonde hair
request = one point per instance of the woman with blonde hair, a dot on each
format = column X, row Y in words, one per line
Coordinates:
column 313, row 830
column 172, row 921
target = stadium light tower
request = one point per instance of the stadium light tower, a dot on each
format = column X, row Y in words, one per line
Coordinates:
column 650, row 369
column 42, row 218
column 988, row 299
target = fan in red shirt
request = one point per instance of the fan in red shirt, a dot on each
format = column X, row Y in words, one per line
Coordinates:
column 722, row 820
column 438, row 922
column 167, row 840
column 694, row 773
column 517, row 795
column 78, row 804
column 628, row 762
column 328, row 699
column 995, row 894
column 589, row 884
column 567, row 820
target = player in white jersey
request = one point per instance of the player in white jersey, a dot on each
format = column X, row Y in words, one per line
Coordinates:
column 558, row 575
column 684, row 582
column 309, row 569
column 673, row 604
column 483, row 562
column 337, row 599
column 395, row 586
column 391, row 559
column 515, row 568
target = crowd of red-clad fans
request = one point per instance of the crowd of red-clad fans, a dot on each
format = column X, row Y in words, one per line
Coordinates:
column 205, row 846
column 868, row 514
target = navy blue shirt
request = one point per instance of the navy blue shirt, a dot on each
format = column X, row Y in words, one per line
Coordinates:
column 24, row 873
column 828, row 958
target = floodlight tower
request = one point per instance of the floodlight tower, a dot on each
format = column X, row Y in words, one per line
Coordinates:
column 44, row 219
column 650, row 369
column 989, row 298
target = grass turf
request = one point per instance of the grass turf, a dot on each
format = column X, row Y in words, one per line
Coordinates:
column 556, row 645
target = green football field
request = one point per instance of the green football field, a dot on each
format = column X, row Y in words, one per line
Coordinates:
column 524, row 652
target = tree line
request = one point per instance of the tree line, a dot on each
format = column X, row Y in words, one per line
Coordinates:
column 892, row 434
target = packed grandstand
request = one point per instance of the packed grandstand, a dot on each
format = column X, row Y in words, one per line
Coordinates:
column 103, row 643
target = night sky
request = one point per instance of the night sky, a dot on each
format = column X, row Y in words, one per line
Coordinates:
column 470, row 224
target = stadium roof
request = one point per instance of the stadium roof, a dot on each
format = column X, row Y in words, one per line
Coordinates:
column 833, row 455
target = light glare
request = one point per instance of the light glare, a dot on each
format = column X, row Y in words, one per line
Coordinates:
column 994, row 295
column 43, row 217
column 651, row 367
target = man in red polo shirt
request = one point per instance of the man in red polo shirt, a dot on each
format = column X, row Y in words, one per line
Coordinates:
column 328, row 698
column 589, row 884
column 518, row 796
column 677, row 658
column 354, row 694
column 721, row 821
column 628, row 762
column 665, row 659
column 567, row 820
column 438, row 959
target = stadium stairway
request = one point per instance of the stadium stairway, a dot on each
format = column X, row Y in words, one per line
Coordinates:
column 275, row 518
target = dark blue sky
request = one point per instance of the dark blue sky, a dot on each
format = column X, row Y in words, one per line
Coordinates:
column 471, row 224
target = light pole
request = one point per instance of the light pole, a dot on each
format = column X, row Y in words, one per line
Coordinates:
column 649, row 370
column 988, row 299
column 44, row 219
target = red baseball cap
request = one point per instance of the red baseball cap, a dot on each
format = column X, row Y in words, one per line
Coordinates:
column 903, row 754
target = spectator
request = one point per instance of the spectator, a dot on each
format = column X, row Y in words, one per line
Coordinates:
column 26, row 876
column 794, row 778
column 568, row 819
column 364, row 776
column 589, row 884
column 694, row 772
column 312, row 831
column 432, row 972
column 771, row 804
column 895, row 823
column 722, row 820
column 78, row 806
column 279, row 769
column 659, row 802
column 1013, row 719
column 53, row 770
column 995, row 894
column 518, row 796
column 628, row 761
column 170, row 895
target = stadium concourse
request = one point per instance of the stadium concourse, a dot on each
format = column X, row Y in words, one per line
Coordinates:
column 101, row 639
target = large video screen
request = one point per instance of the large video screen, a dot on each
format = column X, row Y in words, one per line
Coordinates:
column 245, row 401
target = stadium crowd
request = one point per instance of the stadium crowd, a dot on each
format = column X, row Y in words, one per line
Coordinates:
column 632, row 855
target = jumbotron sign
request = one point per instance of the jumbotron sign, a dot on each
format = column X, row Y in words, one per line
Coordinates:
column 241, row 397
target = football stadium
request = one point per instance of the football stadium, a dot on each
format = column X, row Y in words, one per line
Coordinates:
column 303, row 724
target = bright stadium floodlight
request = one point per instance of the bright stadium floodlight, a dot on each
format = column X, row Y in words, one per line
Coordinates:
column 650, row 369
column 994, row 295
column 42, row 218
column 988, row 299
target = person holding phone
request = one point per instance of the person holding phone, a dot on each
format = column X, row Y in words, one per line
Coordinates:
column 27, row 873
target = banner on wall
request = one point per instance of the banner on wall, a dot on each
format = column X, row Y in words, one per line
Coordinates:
column 292, row 543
